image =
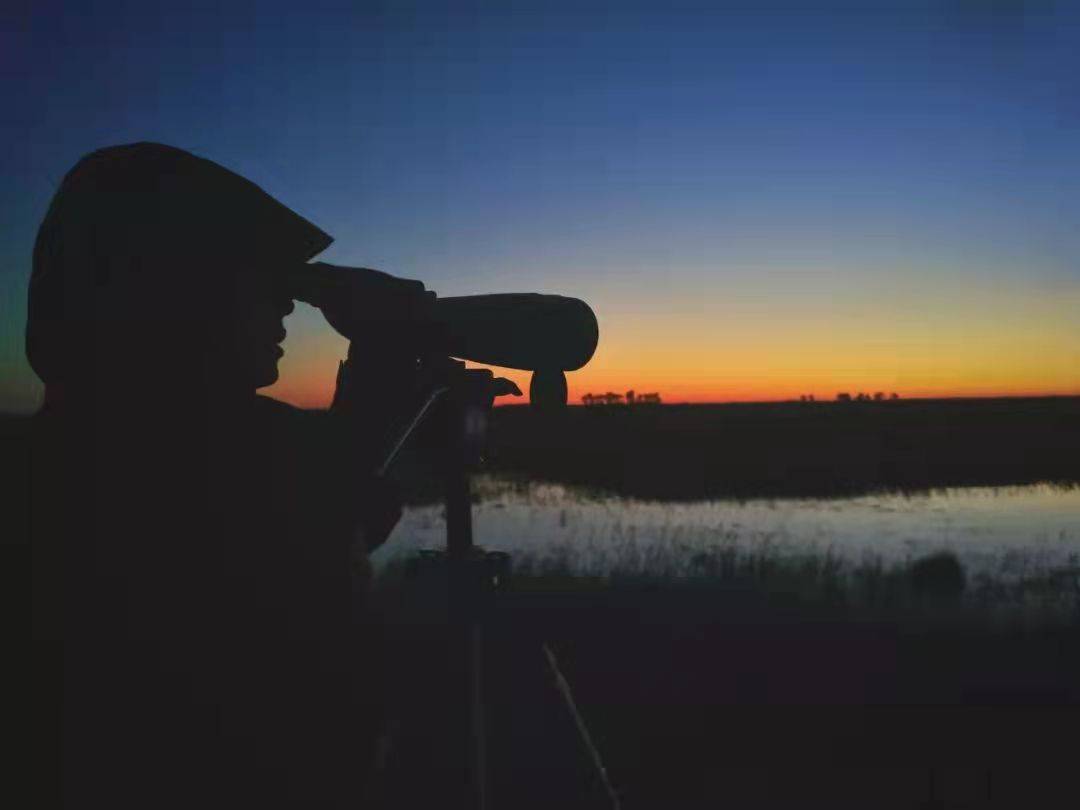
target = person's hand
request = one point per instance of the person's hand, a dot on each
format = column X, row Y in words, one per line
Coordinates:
column 359, row 302
column 484, row 387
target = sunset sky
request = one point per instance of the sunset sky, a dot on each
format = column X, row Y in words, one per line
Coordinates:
column 759, row 200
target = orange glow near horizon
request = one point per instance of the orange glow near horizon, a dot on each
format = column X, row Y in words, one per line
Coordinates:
column 961, row 341
column 318, row 394
column 314, row 387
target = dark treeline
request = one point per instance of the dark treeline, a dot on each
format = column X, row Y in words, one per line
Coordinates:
column 687, row 452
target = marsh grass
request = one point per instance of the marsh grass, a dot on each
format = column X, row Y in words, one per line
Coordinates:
column 1013, row 593
column 615, row 551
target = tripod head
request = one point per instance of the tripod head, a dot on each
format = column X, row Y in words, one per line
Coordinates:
column 464, row 396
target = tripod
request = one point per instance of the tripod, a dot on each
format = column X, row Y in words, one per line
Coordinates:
column 468, row 579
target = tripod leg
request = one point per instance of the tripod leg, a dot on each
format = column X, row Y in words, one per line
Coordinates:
column 477, row 719
column 583, row 731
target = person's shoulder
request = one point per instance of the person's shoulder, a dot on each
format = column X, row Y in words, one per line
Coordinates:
column 283, row 417
column 276, row 409
column 308, row 439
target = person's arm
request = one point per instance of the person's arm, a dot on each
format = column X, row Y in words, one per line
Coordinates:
column 381, row 383
column 377, row 386
column 385, row 319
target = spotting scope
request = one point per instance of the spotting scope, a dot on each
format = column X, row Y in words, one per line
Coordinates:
column 545, row 334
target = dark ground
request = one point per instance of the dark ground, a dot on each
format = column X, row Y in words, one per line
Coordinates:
column 699, row 696
column 707, row 695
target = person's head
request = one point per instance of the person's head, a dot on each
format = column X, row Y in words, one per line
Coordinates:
column 156, row 267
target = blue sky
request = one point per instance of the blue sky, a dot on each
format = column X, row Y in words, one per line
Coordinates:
column 650, row 158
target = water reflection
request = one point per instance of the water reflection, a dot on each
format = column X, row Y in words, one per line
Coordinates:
column 1005, row 532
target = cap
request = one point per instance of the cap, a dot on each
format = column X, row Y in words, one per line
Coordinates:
column 121, row 207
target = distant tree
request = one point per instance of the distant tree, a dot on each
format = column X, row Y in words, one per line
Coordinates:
column 843, row 397
column 612, row 398
column 894, row 395
column 587, row 399
column 879, row 396
column 630, row 397
column 809, row 397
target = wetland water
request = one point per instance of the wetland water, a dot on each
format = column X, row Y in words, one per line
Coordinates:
column 1004, row 532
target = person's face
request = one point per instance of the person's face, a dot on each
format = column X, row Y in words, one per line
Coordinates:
column 216, row 325
column 260, row 306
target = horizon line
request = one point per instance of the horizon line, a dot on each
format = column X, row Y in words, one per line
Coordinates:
column 515, row 403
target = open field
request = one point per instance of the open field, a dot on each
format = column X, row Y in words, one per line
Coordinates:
column 689, row 452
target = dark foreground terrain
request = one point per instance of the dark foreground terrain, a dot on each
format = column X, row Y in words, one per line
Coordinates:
column 734, row 691
column 705, row 696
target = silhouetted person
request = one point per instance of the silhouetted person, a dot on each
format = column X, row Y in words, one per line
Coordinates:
column 198, row 570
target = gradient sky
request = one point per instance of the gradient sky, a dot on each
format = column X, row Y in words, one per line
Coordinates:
column 759, row 200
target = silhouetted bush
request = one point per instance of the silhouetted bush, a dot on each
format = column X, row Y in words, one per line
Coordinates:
column 939, row 577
